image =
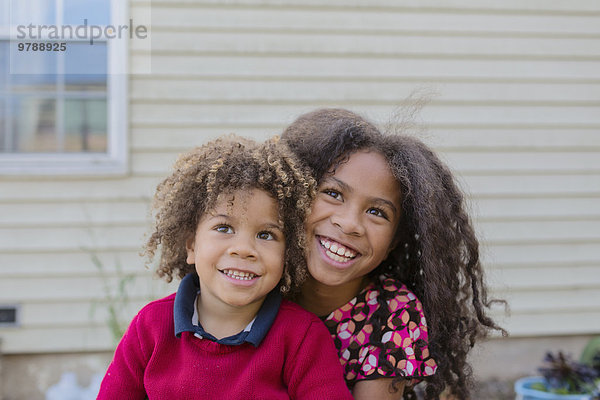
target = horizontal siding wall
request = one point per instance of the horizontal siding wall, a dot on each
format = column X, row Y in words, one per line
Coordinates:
column 513, row 93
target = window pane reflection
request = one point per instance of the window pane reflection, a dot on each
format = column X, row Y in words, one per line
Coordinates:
column 36, row 12
column 34, row 124
column 85, row 83
column 97, row 12
column 3, row 132
column 4, row 13
column 3, row 65
column 53, row 102
column 83, row 58
column 85, row 125
column 33, row 68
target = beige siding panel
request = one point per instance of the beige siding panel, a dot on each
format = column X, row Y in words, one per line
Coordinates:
column 540, row 208
column 506, row 162
column 443, row 139
column 466, row 163
column 563, row 277
column 378, row 45
column 528, row 231
column 535, row 6
column 134, row 188
column 559, row 300
column 368, row 21
column 337, row 68
column 49, row 314
column 78, row 337
column 555, row 185
column 523, row 139
column 73, row 213
column 177, row 139
column 78, row 263
column 515, row 255
column 159, row 164
column 185, row 113
column 534, row 323
column 243, row 91
column 66, row 289
column 70, row 238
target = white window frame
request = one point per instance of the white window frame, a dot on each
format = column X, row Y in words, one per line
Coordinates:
column 115, row 160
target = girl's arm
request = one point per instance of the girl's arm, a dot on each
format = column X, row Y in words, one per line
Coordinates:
column 377, row 389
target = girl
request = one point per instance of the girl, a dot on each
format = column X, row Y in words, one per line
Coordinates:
column 229, row 221
column 388, row 228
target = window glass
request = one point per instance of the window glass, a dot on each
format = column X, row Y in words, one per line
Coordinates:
column 4, row 13
column 24, row 83
column 33, row 70
column 82, row 59
column 97, row 12
column 34, row 12
column 34, row 124
column 85, row 125
column 3, row 122
column 3, row 66
column 67, row 97
column 86, row 83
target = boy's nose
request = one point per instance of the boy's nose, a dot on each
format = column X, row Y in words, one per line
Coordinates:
column 243, row 247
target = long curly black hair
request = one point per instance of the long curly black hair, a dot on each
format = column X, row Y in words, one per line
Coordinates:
column 437, row 255
column 222, row 166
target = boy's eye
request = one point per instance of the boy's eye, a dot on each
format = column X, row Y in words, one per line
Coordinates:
column 223, row 229
column 265, row 235
column 377, row 212
column 333, row 193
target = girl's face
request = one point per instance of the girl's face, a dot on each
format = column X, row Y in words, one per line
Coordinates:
column 238, row 250
column 353, row 220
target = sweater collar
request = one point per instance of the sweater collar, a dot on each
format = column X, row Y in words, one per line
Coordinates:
column 184, row 310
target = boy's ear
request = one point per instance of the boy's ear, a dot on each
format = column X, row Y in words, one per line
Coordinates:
column 189, row 246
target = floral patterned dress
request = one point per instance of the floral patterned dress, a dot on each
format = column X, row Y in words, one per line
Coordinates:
column 404, row 335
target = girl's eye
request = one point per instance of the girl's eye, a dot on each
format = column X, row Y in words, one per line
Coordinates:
column 333, row 193
column 265, row 235
column 377, row 212
column 223, row 229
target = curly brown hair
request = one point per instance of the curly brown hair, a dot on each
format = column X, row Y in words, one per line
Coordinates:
column 226, row 165
column 437, row 255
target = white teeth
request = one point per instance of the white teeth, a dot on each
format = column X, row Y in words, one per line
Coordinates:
column 242, row 276
column 336, row 257
column 337, row 252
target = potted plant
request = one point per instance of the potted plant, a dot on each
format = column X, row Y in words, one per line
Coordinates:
column 562, row 379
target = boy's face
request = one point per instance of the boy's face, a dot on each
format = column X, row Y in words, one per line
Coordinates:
column 238, row 250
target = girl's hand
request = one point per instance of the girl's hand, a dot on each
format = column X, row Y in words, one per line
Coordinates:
column 377, row 389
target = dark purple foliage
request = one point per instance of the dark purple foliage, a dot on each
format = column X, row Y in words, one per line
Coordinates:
column 565, row 375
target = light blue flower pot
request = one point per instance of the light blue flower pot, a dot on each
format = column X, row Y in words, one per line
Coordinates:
column 524, row 391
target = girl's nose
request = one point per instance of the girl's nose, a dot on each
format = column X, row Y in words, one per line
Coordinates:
column 349, row 221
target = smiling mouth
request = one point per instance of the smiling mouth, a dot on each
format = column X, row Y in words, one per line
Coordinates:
column 239, row 275
column 336, row 251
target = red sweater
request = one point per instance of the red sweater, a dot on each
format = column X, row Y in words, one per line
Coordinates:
column 296, row 359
